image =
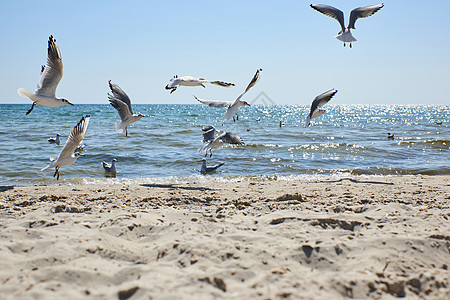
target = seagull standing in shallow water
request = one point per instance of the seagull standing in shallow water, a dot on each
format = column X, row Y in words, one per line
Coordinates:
column 232, row 106
column 208, row 169
column 176, row 81
column 67, row 156
column 120, row 101
column 345, row 34
column 51, row 75
column 110, row 168
column 212, row 142
column 317, row 103
column 55, row 140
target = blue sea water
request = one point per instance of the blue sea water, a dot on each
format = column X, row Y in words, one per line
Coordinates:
column 347, row 139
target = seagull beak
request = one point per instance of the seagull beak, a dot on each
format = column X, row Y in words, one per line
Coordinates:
column 70, row 103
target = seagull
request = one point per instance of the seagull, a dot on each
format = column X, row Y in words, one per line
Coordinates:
column 212, row 142
column 232, row 106
column 120, row 101
column 317, row 103
column 55, row 140
column 205, row 169
column 361, row 12
column 110, row 168
column 67, row 156
column 390, row 136
column 51, row 75
column 176, row 81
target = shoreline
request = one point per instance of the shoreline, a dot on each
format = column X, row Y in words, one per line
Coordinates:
column 356, row 236
column 215, row 177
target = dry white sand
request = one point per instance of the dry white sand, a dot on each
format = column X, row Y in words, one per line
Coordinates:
column 361, row 237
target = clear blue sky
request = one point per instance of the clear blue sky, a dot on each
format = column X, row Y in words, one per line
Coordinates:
column 402, row 54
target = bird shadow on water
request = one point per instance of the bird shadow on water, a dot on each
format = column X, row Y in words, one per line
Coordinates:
column 4, row 188
column 172, row 186
column 360, row 181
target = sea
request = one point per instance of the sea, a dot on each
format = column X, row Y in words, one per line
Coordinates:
column 348, row 140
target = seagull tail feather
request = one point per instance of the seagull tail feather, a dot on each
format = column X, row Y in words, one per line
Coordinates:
column 308, row 120
column 346, row 37
column 120, row 127
column 24, row 93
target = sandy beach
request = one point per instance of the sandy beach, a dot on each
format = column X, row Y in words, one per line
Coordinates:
column 328, row 238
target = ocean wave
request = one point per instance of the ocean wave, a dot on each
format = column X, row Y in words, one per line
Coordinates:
column 437, row 144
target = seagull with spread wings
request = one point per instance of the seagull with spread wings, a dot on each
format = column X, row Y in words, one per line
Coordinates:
column 345, row 34
column 176, row 81
column 120, row 101
column 232, row 106
column 67, row 156
column 213, row 142
column 51, row 75
column 317, row 103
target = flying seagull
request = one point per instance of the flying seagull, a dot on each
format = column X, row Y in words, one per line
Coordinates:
column 390, row 136
column 51, row 75
column 120, row 101
column 208, row 169
column 55, row 140
column 232, row 106
column 361, row 12
column 317, row 103
column 110, row 168
column 67, row 156
column 213, row 142
column 176, row 81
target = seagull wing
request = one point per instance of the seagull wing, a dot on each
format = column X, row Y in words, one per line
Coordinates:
column 213, row 168
column 322, row 99
column 122, row 108
column 362, row 12
column 208, row 133
column 230, row 138
column 119, row 94
column 318, row 102
column 221, row 83
column 331, row 12
column 75, row 138
column 251, row 84
column 231, row 111
column 52, row 72
column 214, row 103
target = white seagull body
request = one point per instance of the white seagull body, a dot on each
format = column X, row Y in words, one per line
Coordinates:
column 232, row 106
column 110, row 168
column 176, row 81
column 212, row 142
column 55, row 140
column 120, row 101
column 67, row 156
column 51, row 75
column 345, row 34
column 317, row 103
column 208, row 169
